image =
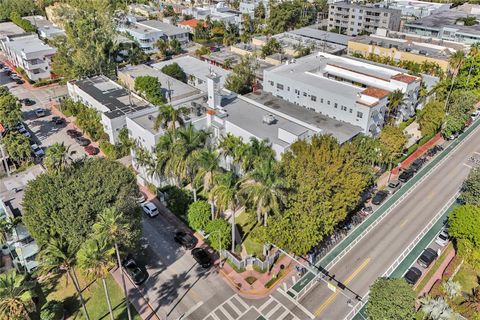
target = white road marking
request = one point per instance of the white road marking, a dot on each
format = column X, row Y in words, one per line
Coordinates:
column 467, row 165
column 239, row 299
column 233, row 306
column 477, row 152
column 225, row 312
column 274, row 309
column 266, row 304
column 301, row 307
column 284, row 314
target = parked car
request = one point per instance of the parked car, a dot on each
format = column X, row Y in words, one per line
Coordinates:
column 27, row 102
column 82, row 141
column 37, row 151
column 150, row 209
column 453, row 136
column 57, row 120
column 19, row 81
column 393, row 186
column 24, row 131
column 202, row 257
column 40, row 112
column 137, row 275
column 91, row 150
column 187, row 240
column 442, row 238
column 474, row 115
column 427, row 257
column 142, row 197
column 406, row 175
column 417, row 164
column 73, row 133
column 412, row 275
column 14, row 76
column 379, row 197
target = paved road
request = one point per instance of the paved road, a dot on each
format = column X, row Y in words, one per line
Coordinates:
column 378, row 250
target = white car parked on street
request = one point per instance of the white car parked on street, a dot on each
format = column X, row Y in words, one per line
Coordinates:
column 150, row 209
column 442, row 238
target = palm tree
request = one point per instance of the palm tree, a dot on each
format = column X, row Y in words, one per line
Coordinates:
column 95, row 258
column 456, row 62
column 474, row 54
column 264, row 188
column 396, row 99
column 225, row 192
column 15, row 296
column 112, row 225
column 207, row 171
column 255, row 151
column 59, row 255
column 473, row 299
column 231, row 147
column 166, row 157
column 436, row 308
column 56, row 157
column 168, row 117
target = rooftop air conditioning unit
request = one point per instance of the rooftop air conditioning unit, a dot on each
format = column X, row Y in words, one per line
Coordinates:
column 269, row 119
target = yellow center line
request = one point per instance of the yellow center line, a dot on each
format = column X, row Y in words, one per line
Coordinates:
column 403, row 223
column 327, row 302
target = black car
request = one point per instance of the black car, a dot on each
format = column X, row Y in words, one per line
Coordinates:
column 187, row 240
column 406, row 175
column 57, row 120
column 73, row 133
column 379, row 197
column 417, row 164
column 82, row 141
column 137, row 275
column 427, row 257
column 202, row 257
column 27, row 102
column 412, row 275
column 19, row 81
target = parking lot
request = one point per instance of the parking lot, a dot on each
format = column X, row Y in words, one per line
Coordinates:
column 43, row 131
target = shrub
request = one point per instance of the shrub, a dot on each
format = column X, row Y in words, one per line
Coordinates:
column 22, row 23
column 175, row 71
column 178, row 200
column 219, row 234
column 111, row 151
column 45, row 82
column 52, row 310
column 198, row 215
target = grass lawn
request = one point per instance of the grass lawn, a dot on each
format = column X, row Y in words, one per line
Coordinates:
column 95, row 299
column 247, row 224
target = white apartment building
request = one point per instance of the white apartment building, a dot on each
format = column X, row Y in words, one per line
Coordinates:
column 344, row 89
column 111, row 100
column 28, row 52
column 416, row 9
column 147, row 32
column 218, row 12
column 249, row 6
column 352, row 18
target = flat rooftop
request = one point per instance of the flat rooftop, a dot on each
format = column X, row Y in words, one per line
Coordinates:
column 39, row 21
column 446, row 19
column 426, row 49
column 315, row 32
column 196, row 67
column 9, row 29
column 178, row 90
column 28, row 43
column 166, row 28
column 111, row 95
column 342, row 131
column 369, row 7
column 292, row 39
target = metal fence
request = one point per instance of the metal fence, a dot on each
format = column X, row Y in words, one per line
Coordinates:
column 250, row 260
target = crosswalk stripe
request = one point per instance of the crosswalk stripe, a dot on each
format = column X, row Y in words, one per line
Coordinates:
column 225, row 312
column 237, row 297
column 234, row 307
column 266, row 304
column 275, row 309
column 299, row 305
column 284, row 314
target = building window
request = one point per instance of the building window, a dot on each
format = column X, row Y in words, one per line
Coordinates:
column 271, row 83
column 288, row 88
column 328, row 102
column 314, row 98
column 321, row 100
column 359, row 114
column 336, row 105
column 344, row 108
column 297, row 91
column 280, row 86
column 304, row 94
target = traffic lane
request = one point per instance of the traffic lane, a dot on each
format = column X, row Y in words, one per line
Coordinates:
column 176, row 281
column 444, row 182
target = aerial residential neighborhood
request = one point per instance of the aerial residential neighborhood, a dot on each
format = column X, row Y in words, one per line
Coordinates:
column 239, row 160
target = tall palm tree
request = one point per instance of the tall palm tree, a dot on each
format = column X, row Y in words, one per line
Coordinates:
column 56, row 157
column 168, row 117
column 207, row 171
column 226, row 192
column 231, row 147
column 6, row 227
column 256, row 150
column 95, row 258
column 59, row 255
column 264, row 188
column 112, row 225
column 166, row 158
column 474, row 54
column 473, row 299
column 396, row 99
column 15, row 296
column 456, row 62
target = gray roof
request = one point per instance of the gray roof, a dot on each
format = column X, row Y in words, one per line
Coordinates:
column 28, row 43
column 343, row 131
column 9, row 29
column 111, row 95
column 369, row 7
column 314, row 32
column 178, row 89
column 166, row 28
column 446, row 19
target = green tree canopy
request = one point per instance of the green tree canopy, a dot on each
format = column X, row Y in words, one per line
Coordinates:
column 17, row 146
column 10, row 111
column 270, row 47
column 471, row 188
column 464, row 222
column 291, row 14
column 21, row 7
column 394, row 140
column 219, row 234
column 175, row 71
column 150, row 88
column 391, row 299
column 67, row 204
column 198, row 215
column 324, row 181
column 242, row 78
column 430, row 118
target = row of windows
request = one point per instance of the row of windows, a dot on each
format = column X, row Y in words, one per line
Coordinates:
column 314, row 98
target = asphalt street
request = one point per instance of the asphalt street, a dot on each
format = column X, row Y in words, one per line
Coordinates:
column 372, row 256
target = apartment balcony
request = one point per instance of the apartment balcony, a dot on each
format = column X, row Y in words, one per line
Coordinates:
column 35, row 64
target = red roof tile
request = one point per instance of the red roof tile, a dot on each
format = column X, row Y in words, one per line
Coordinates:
column 191, row 23
column 404, row 78
column 376, row 92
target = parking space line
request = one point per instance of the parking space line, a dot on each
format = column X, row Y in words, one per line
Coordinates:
column 477, row 152
column 467, row 165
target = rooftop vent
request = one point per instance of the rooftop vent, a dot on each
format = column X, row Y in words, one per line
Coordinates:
column 269, row 119
column 150, row 117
